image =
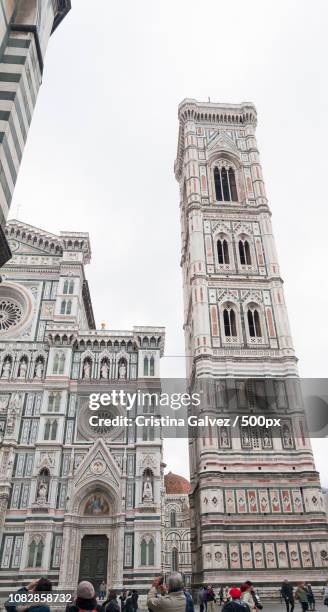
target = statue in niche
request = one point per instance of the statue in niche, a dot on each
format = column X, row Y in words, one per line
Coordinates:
column 6, row 368
column 86, row 369
column 42, row 491
column 22, row 369
column 147, row 492
column 39, row 369
column 122, row 370
column 104, row 370
column 287, row 440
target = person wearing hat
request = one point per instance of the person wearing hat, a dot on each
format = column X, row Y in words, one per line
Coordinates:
column 235, row 604
column 85, row 599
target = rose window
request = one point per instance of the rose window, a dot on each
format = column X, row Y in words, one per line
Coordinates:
column 10, row 314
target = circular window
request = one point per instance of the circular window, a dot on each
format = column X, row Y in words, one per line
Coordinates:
column 16, row 308
column 10, row 314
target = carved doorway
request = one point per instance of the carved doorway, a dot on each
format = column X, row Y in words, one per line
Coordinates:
column 93, row 560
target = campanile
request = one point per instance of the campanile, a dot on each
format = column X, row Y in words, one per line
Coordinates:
column 256, row 502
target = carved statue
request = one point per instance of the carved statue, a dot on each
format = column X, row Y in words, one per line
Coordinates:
column 22, row 369
column 86, row 369
column 42, row 491
column 39, row 369
column 122, row 370
column 147, row 494
column 6, row 368
column 104, row 370
column 286, row 436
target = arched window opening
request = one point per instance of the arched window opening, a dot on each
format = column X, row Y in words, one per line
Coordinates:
column 173, row 518
column 233, row 186
column 53, row 430
column 152, row 367
column 254, row 324
column 225, row 184
column 151, row 550
column 65, row 289
column 223, row 252
column 147, row 551
column 146, row 367
column 61, row 364
column 71, row 287
column 35, row 551
column 217, row 183
column 244, row 253
column 63, row 307
column 175, row 560
column 229, row 319
column 69, row 307
column 47, row 430
column 54, row 402
column 143, row 552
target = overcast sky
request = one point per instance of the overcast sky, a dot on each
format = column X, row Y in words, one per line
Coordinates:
column 102, row 144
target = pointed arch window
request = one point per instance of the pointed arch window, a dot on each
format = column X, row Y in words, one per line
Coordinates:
column 223, row 251
column 71, row 287
column 175, row 560
column 173, row 518
column 146, row 367
column 225, row 184
column 147, row 551
column 54, row 402
column 69, row 307
column 244, row 253
column 65, row 289
column 50, row 430
column 229, row 320
column 254, row 323
column 63, row 307
column 35, row 551
column 152, row 367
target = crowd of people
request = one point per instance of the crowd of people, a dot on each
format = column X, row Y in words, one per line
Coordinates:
column 169, row 597
column 244, row 598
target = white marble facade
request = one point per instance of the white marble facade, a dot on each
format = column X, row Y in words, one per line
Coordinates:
column 251, row 492
column 60, row 481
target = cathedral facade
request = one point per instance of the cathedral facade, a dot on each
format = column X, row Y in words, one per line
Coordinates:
column 77, row 501
column 256, row 503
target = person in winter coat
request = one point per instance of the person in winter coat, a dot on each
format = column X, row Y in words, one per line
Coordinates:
column 210, row 598
column 85, row 599
column 287, row 593
column 111, row 603
column 246, row 596
column 311, row 598
column 135, row 597
column 302, row 596
column 235, row 604
column 170, row 599
column 201, row 599
column 189, row 601
column 39, row 585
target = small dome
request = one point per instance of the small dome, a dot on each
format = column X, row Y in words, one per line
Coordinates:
column 175, row 484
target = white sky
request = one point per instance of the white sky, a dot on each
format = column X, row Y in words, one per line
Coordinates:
column 100, row 152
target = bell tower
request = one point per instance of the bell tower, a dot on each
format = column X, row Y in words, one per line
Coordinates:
column 256, row 502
